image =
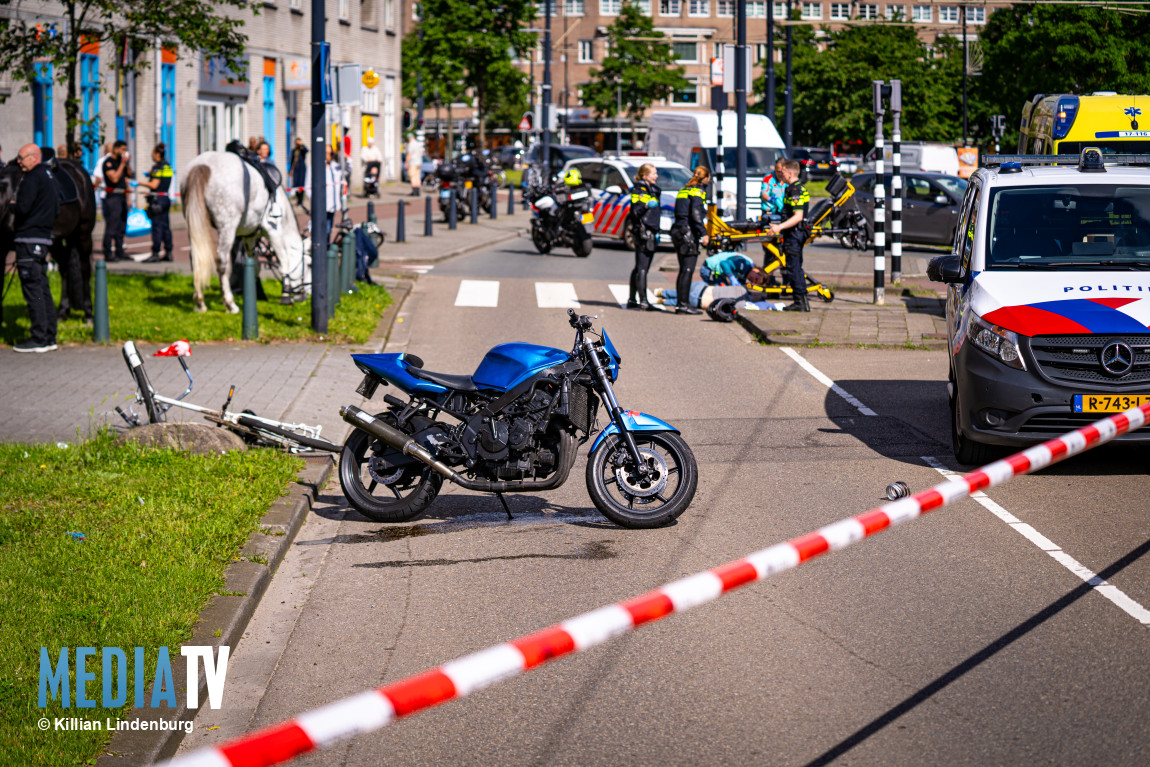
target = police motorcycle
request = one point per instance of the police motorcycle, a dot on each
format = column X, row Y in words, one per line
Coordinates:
column 514, row 425
column 453, row 178
column 562, row 212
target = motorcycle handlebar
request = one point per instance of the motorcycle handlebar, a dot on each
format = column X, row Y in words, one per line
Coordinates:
column 580, row 321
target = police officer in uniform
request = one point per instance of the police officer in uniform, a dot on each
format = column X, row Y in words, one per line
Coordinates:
column 689, row 232
column 794, row 231
column 36, row 206
column 159, row 180
column 644, row 222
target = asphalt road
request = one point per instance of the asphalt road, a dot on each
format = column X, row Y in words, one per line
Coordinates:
column 951, row 640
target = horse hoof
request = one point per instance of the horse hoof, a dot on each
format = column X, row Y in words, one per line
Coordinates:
column 233, row 309
column 201, row 309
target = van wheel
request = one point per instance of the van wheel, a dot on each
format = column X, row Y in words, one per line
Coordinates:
column 967, row 451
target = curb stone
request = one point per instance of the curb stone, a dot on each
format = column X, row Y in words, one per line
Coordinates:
column 227, row 614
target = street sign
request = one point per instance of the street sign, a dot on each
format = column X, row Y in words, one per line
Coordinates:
column 525, row 123
column 370, row 79
column 729, row 69
column 717, row 71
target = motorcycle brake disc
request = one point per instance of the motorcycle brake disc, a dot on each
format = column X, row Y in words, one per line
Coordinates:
column 376, row 468
column 631, row 483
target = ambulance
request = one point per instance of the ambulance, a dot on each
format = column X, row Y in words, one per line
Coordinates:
column 1048, row 299
column 1067, row 124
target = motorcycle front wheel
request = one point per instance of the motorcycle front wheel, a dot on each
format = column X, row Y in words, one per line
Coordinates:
column 380, row 493
column 630, row 500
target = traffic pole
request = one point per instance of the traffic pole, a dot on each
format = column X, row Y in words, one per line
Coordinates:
column 332, row 279
column 347, row 264
column 511, row 199
column 427, row 229
column 371, row 211
column 101, row 332
column 473, row 207
column 896, row 188
column 494, row 199
column 251, row 321
column 452, row 211
column 400, row 224
column 879, row 201
column 320, row 303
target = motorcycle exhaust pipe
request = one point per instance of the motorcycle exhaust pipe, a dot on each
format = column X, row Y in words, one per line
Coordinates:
column 408, row 446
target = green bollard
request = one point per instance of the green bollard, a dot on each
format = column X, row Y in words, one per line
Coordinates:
column 251, row 328
column 348, row 263
column 100, row 327
column 332, row 279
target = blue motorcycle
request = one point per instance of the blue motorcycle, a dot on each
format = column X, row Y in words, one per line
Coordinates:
column 516, row 426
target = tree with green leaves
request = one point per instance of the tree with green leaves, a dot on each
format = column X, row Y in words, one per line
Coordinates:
column 639, row 66
column 1038, row 48
column 467, row 46
column 130, row 26
column 833, row 92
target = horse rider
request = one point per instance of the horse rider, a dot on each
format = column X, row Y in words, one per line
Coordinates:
column 36, row 206
column 794, row 232
column 689, row 232
column 117, row 171
column 159, row 180
column 645, row 214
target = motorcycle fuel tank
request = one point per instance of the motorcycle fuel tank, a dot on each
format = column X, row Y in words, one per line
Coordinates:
column 508, row 365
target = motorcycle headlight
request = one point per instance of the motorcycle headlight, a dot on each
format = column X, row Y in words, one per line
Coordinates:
column 1000, row 343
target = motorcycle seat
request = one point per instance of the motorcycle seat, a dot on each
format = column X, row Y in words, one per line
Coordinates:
column 453, row 382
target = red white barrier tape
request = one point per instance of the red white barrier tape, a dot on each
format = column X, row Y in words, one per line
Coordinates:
column 372, row 710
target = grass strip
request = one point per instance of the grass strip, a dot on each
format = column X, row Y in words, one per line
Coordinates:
column 158, row 307
column 158, row 527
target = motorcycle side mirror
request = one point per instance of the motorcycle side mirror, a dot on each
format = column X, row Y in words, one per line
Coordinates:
column 613, row 189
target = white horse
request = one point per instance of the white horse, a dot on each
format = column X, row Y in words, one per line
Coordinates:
column 213, row 195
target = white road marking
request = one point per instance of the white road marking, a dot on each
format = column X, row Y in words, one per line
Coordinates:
column 478, row 293
column 621, row 293
column 556, row 295
column 1111, row 592
column 827, row 382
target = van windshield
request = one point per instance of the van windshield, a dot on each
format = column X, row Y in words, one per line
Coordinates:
column 1074, row 228
column 760, row 160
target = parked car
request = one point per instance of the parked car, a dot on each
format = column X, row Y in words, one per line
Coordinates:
column 930, row 205
column 561, row 154
column 916, row 155
column 510, row 156
column 611, row 179
column 817, row 162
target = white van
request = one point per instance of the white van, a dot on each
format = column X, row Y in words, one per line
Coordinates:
column 916, row 155
column 692, row 138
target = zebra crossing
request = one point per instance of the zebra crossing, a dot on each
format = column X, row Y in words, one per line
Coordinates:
column 548, row 295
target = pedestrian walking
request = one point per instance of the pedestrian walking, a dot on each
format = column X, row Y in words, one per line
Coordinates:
column 333, row 183
column 116, row 170
column 299, row 169
column 414, row 159
column 689, row 232
column 34, row 211
column 159, row 180
column 794, row 230
column 645, row 214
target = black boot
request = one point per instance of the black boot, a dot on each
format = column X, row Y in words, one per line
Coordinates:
column 800, row 303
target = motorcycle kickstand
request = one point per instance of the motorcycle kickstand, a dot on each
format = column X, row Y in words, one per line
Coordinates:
column 505, row 506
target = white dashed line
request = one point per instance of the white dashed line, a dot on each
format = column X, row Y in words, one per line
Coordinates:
column 478, row 293
column 827, row 382
column 556, row 295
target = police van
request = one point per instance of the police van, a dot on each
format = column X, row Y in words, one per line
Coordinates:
column 1048, row 299
column 1066, row 124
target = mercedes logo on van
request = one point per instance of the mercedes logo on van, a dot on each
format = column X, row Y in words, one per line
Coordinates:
column 1117, row 359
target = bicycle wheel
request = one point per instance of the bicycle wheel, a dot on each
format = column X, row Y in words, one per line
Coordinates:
column 144, row 391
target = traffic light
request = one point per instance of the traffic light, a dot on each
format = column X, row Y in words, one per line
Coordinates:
column 406, row 119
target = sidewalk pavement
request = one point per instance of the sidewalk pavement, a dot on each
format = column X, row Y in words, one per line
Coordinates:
column 66, row 395
column 852, row 319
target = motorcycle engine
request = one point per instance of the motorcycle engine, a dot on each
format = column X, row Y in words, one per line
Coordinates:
column 512, row 444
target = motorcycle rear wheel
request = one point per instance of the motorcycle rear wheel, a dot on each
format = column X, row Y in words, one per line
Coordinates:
column 637, row 504
column 401, row 497
column 583, row 244
column 542, row 244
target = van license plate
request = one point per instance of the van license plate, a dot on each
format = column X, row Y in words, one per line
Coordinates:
column 1108, row 403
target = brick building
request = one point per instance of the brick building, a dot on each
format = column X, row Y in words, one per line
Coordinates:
column 194, row 105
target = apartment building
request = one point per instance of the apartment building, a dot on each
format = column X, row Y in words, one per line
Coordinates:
column 194, row 104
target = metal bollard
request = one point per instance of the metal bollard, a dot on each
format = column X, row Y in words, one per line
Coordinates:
column 100, row 328
column 494, row 199
column 347, row 263
column 251, row 322
column 400, row 224
column 474, row 204
column 371, row 211
column 427, row 230
column 510, row 199
column 333, row 290
column 452, row 211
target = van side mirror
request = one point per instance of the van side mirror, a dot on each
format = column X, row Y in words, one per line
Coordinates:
column 946, row 269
